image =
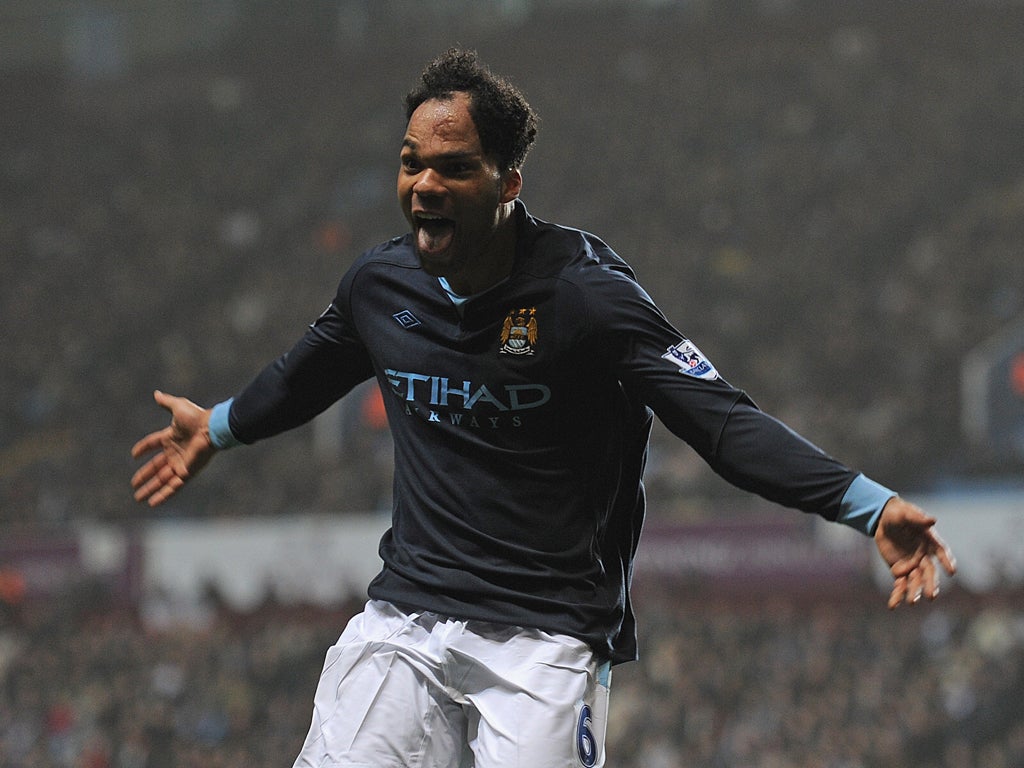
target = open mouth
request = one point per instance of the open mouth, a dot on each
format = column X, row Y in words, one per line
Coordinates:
column 433, row 233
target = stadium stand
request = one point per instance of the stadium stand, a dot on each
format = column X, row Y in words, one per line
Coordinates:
column 828, row 200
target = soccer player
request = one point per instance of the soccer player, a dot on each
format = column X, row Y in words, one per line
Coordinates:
column 521, row 365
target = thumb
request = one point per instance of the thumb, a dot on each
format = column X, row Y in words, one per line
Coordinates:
column 906, row 513
column 917, row 519
column 164, row 400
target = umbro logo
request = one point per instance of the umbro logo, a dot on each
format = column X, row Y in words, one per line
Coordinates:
column 406, row 319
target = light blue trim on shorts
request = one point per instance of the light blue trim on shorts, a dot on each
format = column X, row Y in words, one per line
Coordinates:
column 220, row 430
column 862, row 504
column 604, row 674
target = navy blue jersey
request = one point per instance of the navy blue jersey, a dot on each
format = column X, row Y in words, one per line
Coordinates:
column 521, row 419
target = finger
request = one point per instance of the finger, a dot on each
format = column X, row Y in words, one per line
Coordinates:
column 163, row 483
column 921, row 518
column 927, row 582
column 899, row 589
column 148, row 488
column 150, row 442
column 906, row 565
column 905, row 513
column 148, row 470
column 143, row 492
column 169, row 489
column 931, row 578
column 915, row 584
column 164, row 400
column 944, row 554
column 156, row 472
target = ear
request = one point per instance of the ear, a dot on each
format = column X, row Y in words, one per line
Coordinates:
column 511, row 185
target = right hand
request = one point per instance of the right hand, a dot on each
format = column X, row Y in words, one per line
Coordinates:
column 183, row 449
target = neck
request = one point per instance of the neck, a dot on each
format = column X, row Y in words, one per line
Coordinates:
column 496, row 258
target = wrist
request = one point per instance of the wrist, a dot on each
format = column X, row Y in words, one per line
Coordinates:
column 863, row 503
column 218, row 426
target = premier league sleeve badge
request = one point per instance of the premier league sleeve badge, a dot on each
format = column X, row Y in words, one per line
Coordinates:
column 691, row 360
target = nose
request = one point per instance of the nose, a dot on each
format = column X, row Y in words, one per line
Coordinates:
column 428, row 183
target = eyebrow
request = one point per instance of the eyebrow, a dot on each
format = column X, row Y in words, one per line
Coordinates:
column 453, row 155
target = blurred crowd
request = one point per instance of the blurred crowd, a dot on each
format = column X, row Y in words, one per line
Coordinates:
column 762, row 682
column 833, row 682
column 827, row 197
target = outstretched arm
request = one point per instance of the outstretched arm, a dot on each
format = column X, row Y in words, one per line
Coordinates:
column 908, row 543
column 182, row 450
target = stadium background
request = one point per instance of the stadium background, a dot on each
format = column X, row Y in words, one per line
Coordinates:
column 827, row 196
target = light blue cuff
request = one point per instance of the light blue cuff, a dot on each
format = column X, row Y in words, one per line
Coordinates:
column 220, row 431
column 862, row 504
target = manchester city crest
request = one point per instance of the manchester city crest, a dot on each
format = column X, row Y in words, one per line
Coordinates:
column 519, row 332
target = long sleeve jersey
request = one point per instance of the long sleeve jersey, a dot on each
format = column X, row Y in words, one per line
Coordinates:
column 521, row 418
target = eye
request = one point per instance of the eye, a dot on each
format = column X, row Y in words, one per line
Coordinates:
column 410, row 164
column 459, row 169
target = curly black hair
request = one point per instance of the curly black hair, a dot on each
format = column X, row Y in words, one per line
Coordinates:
column 506, row 123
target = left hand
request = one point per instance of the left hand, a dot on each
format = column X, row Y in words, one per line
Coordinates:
column 908, row 543
column 180, row 451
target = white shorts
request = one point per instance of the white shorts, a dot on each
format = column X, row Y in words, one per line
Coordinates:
column 421, row 691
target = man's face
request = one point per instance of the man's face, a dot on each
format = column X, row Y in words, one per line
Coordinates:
column 453, row 196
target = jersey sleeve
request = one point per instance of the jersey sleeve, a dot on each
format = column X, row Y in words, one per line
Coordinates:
column 323, row 365
column 667, row 372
